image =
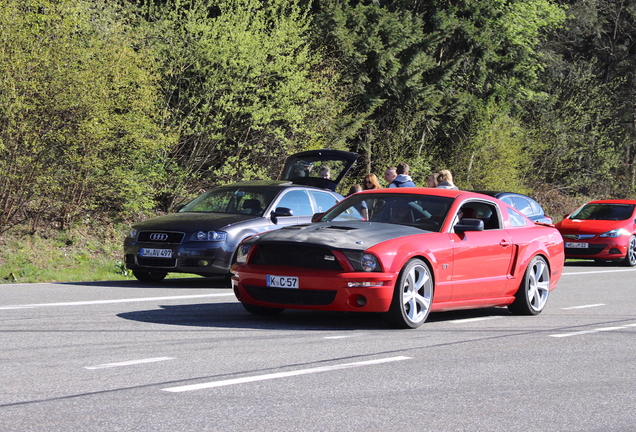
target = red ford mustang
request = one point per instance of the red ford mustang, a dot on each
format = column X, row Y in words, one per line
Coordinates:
column 404, row 252
column 601, row 230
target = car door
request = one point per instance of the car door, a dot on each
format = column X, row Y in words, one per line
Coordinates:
column 297, row 200
column 481, row 258
column 323, row 201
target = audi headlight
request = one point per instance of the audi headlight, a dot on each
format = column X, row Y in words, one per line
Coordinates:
column 614, row 233
column 132, row 233
column 242, row 253
column 210, row 236
column 369, row 262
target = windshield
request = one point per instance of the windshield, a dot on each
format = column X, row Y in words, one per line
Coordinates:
column 603, row 212
column 236, row 200
column 422, row 211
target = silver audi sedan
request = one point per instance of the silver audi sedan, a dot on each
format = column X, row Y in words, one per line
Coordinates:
column 203, row 236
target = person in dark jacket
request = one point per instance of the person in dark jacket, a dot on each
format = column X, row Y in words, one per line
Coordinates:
column 403, row 178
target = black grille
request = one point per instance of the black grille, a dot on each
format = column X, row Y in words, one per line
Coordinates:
column 157, row 262
column 592, row 250
column 286, row 296
column 130, row 259
column 296, row 256
column 170, row 237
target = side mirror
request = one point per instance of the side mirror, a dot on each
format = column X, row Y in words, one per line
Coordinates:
column 468, row 224
column 281, row 212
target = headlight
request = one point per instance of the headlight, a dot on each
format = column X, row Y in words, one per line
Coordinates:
column 132, row 233
column 242, row 253
column 210, row 236
column 368, row 262
column 614, row 233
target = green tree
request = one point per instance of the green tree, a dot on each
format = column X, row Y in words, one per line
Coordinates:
column 77, row 109
column 241, row 86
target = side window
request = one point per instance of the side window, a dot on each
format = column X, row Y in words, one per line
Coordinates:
column 515, row 218
column 485, row 212
column 324, row 201
column 298, row 202
column 523, row 205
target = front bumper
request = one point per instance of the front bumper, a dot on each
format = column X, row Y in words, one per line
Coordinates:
column 607, row 249
column 318, row 289
column 202, row 259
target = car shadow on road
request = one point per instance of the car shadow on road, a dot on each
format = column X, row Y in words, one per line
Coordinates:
column 195, row 282
column 232, row 315
column 592, row 263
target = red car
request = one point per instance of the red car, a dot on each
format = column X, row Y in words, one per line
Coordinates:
column 601, row 230
column 403, row 252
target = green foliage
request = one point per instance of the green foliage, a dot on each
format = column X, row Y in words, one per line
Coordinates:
column 576, row 135
column 77, row 106
column 494, row 159
column 239, row 82
column 116, row 107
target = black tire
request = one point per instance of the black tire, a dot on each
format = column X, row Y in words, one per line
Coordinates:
column 262, row 310
column 534, row 290
column 412, row 296
column 148, row 276
column 630, row 256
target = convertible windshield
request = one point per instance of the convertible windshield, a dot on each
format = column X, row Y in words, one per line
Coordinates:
column 237, row 200
column 604, row 212
column 422, row 211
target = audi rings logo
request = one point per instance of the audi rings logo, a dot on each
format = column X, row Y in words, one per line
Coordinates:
column 158, row 236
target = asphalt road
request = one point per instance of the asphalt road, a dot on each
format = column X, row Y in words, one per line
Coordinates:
column 184, row 356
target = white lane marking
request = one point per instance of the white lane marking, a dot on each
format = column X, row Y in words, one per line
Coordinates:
column 344, row 336
column 467, row 320
column 598, row 330
column 97, row 302
column 598, row 271
column 282, row 375
column 583, row 306
column 128, row 363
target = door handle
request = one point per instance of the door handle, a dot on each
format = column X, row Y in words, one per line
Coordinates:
column 504, row 243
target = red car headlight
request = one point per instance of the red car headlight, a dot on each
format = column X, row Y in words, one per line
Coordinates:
column 369, row 262
column 614, row 233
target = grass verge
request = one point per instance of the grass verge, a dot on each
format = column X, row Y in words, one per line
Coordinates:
column 81, row 253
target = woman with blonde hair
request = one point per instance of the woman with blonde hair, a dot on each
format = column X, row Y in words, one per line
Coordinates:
column 445, row 180
column 371, row 182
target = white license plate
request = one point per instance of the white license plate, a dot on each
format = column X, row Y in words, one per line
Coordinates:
column 575, row 245
column 282, row 281
column 155, row 253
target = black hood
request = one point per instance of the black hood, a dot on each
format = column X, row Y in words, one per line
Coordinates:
column 338, row 235
column 192, row 221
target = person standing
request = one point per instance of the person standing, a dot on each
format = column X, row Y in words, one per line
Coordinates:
column 432, row 180
column 390, row 174
column 445, row 180
column 403, row 179
column 371, row 182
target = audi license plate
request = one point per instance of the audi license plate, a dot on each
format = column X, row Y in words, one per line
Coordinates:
column 576, row 245
column 282, row 281
column 155, row 253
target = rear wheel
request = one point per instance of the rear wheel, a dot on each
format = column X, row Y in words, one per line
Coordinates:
column 534, row 290
column 413, row 295
column 630, row 257
column 148, row 276
column 262, row 310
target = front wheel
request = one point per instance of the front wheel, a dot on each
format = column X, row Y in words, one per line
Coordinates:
column 413, row 296
column 534, row 290
column 148, row 276
column 630, row 257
